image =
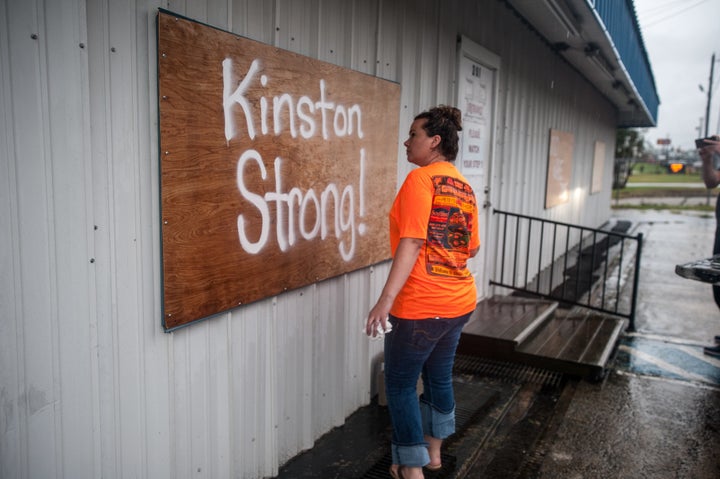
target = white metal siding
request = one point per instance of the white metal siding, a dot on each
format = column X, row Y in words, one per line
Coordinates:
column 90, row 385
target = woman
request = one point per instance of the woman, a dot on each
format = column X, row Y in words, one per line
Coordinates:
column 429, row 293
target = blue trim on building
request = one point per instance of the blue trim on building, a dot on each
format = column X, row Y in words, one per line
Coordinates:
column 620, row 22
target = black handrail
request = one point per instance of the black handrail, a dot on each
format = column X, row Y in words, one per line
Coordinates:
column 587, row 262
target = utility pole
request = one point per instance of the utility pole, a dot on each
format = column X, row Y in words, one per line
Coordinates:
column 709, row 95
column 707, row 109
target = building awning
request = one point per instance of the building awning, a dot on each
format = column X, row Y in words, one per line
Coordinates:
column 602, row 40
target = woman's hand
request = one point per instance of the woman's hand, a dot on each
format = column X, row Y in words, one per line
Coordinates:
column 405, row 256
column 378, row 316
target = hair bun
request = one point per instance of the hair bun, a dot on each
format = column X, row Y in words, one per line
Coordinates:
column 452, row 114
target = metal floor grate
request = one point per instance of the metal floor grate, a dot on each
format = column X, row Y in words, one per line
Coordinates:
column 471, row 400
column 506, row 371
column 380, row 469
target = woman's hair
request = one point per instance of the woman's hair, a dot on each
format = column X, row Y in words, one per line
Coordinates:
column 444, row 121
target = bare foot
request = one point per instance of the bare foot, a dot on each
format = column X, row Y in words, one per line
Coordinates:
column 405, row 472
column 434, row 445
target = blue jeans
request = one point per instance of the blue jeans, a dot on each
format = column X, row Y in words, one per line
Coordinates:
column 413, row 348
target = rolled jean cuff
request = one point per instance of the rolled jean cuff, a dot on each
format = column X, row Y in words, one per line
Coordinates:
column 435, row 423
column 411, row 456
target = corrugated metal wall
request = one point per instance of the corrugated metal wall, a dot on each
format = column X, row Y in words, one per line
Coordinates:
column 90, row 385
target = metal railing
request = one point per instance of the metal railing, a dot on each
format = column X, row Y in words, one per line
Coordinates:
column 571, row 264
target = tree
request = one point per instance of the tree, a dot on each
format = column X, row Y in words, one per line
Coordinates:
column 630, row 143
column 629, row 146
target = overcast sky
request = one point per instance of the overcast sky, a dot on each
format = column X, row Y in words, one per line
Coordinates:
column 680, row 37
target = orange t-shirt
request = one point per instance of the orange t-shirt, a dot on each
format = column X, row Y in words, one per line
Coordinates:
column 436, row 204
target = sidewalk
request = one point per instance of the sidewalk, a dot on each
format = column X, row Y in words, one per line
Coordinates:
column 656, row 414
column 670, row 201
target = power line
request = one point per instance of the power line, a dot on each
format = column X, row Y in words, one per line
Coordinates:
column 660, row 6
column 660, row 12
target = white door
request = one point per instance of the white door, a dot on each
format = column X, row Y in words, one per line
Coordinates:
column 476, row 97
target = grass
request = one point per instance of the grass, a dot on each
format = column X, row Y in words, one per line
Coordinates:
column 659, row 192
column 664, row 178
column 651, row 173
column 648, row 168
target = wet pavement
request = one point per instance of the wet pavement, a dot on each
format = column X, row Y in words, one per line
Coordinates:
column 656, row 414
column 670, row 306
column 636, row 426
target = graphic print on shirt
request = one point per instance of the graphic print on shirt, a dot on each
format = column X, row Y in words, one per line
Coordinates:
column 449, row 227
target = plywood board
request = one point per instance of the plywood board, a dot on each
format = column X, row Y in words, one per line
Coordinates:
column 560, row 156
column 277, row 170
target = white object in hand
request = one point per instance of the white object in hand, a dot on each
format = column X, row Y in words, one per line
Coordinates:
column 379, row 331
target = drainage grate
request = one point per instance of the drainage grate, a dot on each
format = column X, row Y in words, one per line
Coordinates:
column 471, row 400
column 506, row 371
column 380, row 469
